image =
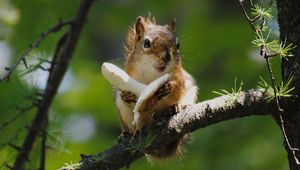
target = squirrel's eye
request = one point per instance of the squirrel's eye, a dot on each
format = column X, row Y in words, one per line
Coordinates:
column 147, row 43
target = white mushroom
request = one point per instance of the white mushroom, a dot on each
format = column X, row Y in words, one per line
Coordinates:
column 146, row 94
column 120, row 79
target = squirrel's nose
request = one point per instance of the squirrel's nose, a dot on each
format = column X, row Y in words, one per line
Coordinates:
column 166, row 57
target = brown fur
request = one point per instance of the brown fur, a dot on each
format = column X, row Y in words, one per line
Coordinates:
column 173, row 148
column 147, row 64
column 132, row 36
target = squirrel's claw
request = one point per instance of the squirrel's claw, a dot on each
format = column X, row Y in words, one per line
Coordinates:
column 163, row 91
column 128, row 97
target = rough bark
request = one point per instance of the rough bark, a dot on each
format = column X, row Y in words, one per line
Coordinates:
column 122, row 154
column 289, row 23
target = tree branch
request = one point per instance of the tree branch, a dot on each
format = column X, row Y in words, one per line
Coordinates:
column 191, row 118
column 53, row 29
column 58, row 68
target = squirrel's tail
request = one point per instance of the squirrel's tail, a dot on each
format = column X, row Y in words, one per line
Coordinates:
column 171, row 149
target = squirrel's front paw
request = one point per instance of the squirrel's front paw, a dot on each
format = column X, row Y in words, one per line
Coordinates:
column 163, row 90
column 128, row 97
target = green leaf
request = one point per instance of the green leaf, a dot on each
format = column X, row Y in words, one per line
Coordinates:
column 285, row 51
column 262, row 84
column 70, row 166
column 235, row 90
column 283, row 90
column 258, row 11
column 260, row 40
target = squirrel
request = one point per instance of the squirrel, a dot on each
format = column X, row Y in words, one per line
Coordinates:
column 151, row 51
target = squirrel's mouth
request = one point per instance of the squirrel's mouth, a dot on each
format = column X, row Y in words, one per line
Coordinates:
column 160, row 67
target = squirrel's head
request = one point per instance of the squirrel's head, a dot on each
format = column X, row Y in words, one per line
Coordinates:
column 154, row 46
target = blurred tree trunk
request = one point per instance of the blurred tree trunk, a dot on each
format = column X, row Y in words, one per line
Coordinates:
column 289, row 23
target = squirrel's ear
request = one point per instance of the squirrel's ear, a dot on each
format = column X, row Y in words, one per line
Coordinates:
column 139, row 25
column 172, row 25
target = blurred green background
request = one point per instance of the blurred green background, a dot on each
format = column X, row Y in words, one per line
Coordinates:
column 215, row 46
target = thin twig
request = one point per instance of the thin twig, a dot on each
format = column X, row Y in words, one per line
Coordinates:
column 273, row 82
column 14, row 146
column 8, row 122
column 22, row 58
column 43, row 145
column 14, row 118
column 7, row 165
column 264, row 54
column 251, row 20
column 287, row 140
column 280, row 112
